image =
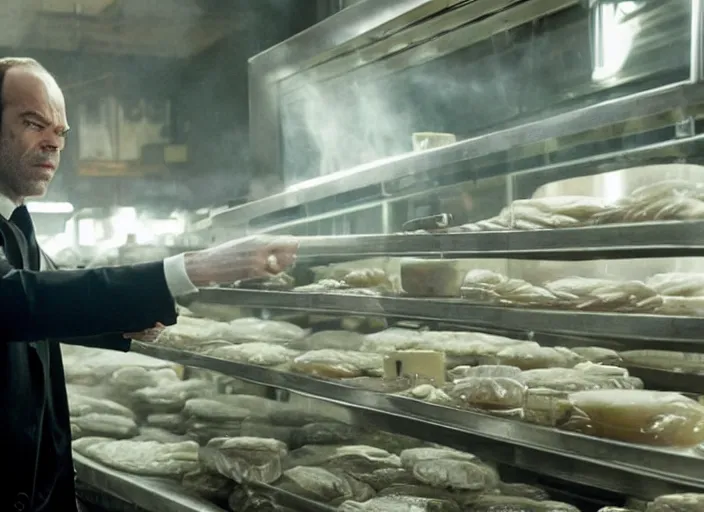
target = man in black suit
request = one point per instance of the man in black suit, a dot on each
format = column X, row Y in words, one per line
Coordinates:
column 89, row 307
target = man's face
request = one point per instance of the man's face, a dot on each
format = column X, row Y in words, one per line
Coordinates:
column 32, row 132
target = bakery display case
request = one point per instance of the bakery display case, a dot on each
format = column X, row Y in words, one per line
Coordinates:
column 500, row 212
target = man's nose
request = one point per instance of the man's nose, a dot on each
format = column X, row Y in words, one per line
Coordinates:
column 50, row 146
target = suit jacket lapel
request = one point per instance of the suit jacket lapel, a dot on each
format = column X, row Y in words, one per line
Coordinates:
column 14, row 245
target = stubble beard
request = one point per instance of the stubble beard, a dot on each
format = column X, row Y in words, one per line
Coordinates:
column 17, row 179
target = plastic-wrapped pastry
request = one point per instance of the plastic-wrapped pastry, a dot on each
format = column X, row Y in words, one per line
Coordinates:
column 549, row 212
column 462, row 348
column 324, row 285
column 360, row 459
column 681, row 306
column 324, row 486
column 581, row 378
column 546, row 407
column 80, row 405
column 532, row 356
column 679, row 284
column 492, row 503
column 310, row 455
column 598, row 355
column 386, row 477
column 487, row 370
column 159, row 435
column 324, row 433
column 216, row 408
column 171, row 397
column 485, row 286
column 590, row 294
column 687, row 502
column 367, row 278
column 664, row 200
column 247, row 499
column 392, row 443
column 490, row 393
column 170, row 422
column 412, row 456
column 131, row 378
column 204, row 431
column 338, row 363
column 418, row 490
column 680, row 362
column 184, row 335
column 104, row 425
column 431, row 278
column 400, row 504
column 456, row 474
column 142, row 457
column 523, row 491
column 391, row 340
column 244, row 458
column 638, row 416
column 259, row 353
column 335, row 340
column 256, row 427
column 428, row 393
column 210, row 486
column 250, row 330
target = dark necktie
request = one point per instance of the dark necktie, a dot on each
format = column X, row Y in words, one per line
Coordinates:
column 21, row 218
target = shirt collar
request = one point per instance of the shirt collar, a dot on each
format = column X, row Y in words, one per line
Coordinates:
column 6, row 207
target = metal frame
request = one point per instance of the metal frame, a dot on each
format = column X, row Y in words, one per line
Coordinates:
column 696, row 65
column 649, row 103
column 621, row 467
column 153, row 494
column 341, row 33
column 672, row 332
column 367, row 27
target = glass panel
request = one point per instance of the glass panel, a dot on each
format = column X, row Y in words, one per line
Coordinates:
column 478, row 77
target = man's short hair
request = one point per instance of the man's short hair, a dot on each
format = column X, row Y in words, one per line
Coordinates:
column 7, row 63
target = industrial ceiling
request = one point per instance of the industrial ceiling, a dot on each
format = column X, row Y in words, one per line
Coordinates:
column 158, row 28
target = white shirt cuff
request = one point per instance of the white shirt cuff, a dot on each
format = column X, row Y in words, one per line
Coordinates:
column 177, row 279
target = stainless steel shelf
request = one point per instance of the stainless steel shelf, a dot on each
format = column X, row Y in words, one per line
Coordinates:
column 674, row 331
column 153, row 494
column 620, row 467
column 643, row 240
column 643, row 104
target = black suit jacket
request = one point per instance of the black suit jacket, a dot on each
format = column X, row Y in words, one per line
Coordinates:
column 40, row 310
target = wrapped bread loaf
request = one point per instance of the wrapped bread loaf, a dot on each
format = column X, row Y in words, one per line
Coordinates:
column 687, row 502
column 529, row 356
column 491, row 393
column 339, row 363
column 431, row 278
column 681, row 362
column 638, row 416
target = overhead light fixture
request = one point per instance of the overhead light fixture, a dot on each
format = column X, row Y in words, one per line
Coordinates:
column 49, row 207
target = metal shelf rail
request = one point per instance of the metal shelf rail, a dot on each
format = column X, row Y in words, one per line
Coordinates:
column 620, row 467
column 671, row 330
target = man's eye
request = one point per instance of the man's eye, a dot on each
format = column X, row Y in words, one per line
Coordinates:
column 33, row 125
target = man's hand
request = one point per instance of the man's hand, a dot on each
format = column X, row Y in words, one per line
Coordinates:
column 258, row 256
column 148, row 335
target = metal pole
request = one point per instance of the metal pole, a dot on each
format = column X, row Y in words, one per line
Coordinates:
column 696, row 71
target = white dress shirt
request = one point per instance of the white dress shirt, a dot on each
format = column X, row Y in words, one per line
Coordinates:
column 177, row 279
